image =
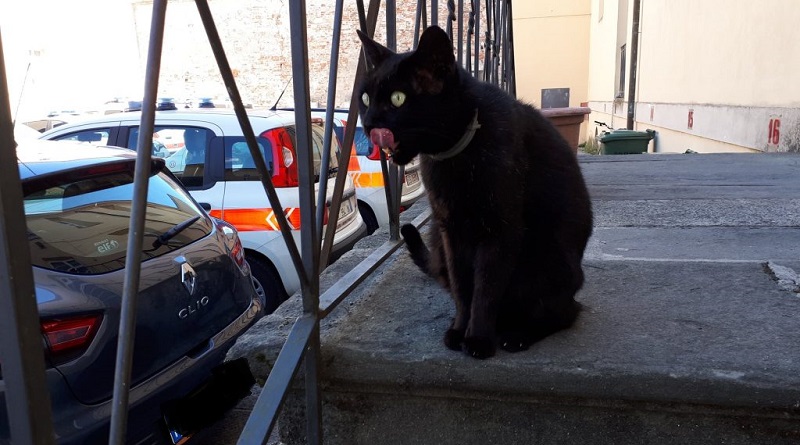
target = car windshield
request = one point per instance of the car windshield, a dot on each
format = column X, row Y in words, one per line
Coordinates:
column 80, row 226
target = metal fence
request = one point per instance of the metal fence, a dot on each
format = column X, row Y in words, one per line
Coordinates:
column 483, row 38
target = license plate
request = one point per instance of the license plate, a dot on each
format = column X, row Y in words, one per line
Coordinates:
column 412, row 178
column 345, row 209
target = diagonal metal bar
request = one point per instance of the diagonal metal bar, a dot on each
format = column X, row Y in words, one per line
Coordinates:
column 249, row 135
column 350, row 281
column 368, row 26
column 27, row 398
column 265, row 411
column 133, row 257
column 327, row 142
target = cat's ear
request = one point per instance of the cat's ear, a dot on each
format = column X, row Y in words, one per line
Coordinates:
column 434, row 60
column 374, row 52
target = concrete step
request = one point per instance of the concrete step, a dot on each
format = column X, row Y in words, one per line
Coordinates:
column 689, row 333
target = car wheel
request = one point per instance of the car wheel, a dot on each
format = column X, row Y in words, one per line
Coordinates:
column 267, row 283
column 368, row 216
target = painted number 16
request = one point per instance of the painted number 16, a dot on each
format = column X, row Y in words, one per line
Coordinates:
column 774, row 135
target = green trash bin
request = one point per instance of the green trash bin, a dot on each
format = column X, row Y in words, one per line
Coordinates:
column 625, row 142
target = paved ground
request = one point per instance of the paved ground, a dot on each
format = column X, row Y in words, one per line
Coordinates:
column 691, row 299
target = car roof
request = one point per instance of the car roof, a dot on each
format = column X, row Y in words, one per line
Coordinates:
column 39, row 157
column 224, row 117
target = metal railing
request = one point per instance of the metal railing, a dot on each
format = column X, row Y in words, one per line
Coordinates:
column 489, row 56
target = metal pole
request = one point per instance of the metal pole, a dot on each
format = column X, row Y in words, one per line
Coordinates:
column 435, row 12
column 309, row 241
column 470, row 31
column 421, row 20
column 460, row 18
column 27, row 399
column 634, row 63
column 395, row 173
column 512, row 80
column 343, row 161
column 488, row 50
column 133, row 257
column 477, row 9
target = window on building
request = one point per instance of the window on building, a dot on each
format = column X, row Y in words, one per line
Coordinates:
column 621, row 84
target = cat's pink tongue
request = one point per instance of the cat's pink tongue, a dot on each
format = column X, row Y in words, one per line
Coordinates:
column 383, row 138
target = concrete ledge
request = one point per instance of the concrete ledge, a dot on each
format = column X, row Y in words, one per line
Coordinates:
column 687, row 334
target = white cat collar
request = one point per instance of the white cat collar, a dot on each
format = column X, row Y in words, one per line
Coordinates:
column 461, row 144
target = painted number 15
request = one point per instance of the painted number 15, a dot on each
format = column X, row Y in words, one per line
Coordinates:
column 774, row 135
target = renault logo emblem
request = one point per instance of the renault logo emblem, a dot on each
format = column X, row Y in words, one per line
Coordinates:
column 188, row 277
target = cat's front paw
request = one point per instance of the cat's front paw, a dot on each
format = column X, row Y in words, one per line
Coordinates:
column 514, row 342
column 453, row 339
column 479, row 347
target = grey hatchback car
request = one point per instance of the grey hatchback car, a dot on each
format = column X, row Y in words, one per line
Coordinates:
column 195, row 297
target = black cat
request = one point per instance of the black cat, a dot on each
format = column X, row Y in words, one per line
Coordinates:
column 511, row 213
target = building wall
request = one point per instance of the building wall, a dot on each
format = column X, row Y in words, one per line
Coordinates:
column 551, row 40
column 713, row 75
column 257, row 40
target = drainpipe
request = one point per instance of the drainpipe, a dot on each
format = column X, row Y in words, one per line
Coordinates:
column 634, row 61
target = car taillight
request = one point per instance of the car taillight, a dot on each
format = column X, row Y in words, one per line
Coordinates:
column 375, row 153
column 234, row 244
column 70, row 335
column 285, row 174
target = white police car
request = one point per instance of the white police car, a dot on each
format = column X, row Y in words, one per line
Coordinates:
column 215, row 165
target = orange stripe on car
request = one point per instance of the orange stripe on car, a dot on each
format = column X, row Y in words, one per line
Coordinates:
column 252, row 220
column 366, row 179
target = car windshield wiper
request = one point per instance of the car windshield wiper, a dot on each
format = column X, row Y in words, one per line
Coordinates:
column 176, row 229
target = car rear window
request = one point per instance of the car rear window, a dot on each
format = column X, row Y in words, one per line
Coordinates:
column 95, row 136
column 360, row 140
column 79, row 223
column 239, row 163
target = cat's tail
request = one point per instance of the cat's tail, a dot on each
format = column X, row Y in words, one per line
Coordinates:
column 416, row 247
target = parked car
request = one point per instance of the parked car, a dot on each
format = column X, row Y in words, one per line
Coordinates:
column 365, row 170
column 23, row 132
column 195, row 298
column 216, row 166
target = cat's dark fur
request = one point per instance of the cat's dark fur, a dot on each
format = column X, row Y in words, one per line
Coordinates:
column 511, row 212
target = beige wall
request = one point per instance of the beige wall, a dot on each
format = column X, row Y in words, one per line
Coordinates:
column 732, row 64
column 602, row 50
column 733, row 52
column 551, row 42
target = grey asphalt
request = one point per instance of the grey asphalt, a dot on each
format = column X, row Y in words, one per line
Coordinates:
column 689, row 332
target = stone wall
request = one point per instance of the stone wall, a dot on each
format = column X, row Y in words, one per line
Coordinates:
column 256, row 38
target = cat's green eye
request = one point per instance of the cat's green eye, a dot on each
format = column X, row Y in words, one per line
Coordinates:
column 398, row 98
column 365, row 99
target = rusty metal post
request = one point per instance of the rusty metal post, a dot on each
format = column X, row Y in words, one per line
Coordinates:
column 27, row 398
column 133, row 257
